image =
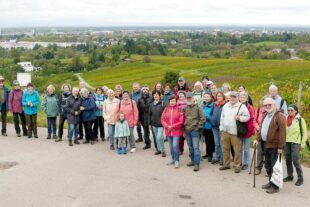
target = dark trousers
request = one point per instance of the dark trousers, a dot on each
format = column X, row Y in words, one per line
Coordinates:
column 51, row 125
column 146, row 131
column 260, row 155
column 3, row 117
column 181, row 144
column 31, row 121
column 292, row 156
column 16, row 122
column 62, row 120
column 209, row 140
column 139, row 132
column 99, row 123
column 81, row 134
column 88, row 126
column 271, row 157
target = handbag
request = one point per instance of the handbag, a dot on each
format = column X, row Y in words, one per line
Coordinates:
column 242, row 128
column 277, row 175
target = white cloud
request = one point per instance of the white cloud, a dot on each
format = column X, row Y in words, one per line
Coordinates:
column 148, row 12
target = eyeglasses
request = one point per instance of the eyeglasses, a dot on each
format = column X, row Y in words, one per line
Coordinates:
column 267, row 105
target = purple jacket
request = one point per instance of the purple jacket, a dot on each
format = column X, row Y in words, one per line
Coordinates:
column 15, row 101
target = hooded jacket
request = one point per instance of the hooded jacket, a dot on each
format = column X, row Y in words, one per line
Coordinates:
column 174, row 117
column 33, row 98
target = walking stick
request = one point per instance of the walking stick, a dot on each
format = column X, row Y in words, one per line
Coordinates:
column 254, row 155
column 254, row 165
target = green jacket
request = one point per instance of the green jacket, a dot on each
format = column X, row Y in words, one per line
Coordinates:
column 121, row 129
column 293, row 132
column 50, row 105
column 194, row 118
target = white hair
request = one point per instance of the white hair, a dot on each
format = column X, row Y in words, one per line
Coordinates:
column 273, row 87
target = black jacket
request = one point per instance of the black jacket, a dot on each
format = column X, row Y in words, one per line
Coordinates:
column 155, row 113
column 143, row 108
column 73, row 105
column 62, row 98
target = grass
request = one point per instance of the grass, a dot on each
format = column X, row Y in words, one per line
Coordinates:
column 270, row 44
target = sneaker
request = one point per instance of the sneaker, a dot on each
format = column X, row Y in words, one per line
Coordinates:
column 92, row 142
column 163, row 154
column 133, row 150
column 48, row 137
column 112, row 147
column 258, row 171
column 190, row 164
column 86, row 142
column 139, row 140
column 55, row 136
column 299, row 182
column 266, row 186
column 119, row 150
column 209, row 159
column 214, row 162
column 244, row 167
column 36, row 136
column 205, row 157
column 176, row 164
column 221, row 163
column 196, row 168
column 288, row 179
column 224, row 168
column 237, row 170
column 272, row 190
column 170, row 163
column 146, row 147
column 157, row 153
column 70, row 143
column 4, row 134
column 76, row 142
column 25, row 134
column 58, row 139
column 125, row 151
column 103, row 139
column 18, row 135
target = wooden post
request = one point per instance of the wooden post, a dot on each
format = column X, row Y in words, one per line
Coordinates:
column 299, row 94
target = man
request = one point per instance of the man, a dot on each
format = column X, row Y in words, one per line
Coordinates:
column 135, row 95
column 63, row 97
column 280, row 102
column 4, row 104
column 272, row 135
column 82, row 86
column 182, row 86
column 144, row 107
column 232, row 111
column 194, row 120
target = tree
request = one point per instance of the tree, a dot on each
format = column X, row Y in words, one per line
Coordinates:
column 76, row 64
column 171, row 77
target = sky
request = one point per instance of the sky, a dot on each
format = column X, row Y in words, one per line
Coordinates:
column 16, row 13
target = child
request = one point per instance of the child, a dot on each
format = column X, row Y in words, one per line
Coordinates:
column 121, row 133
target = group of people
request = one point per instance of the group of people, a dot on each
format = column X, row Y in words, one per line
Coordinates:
column 225, row 119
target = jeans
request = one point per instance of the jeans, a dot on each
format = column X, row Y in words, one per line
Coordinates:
column 174, row 147
column 245, row 151
column 193, row 146
column 132, row 140
column 88, row 126
column 292, row 156
column 16, row 122
column 139, row 132
column 73, row 129
column 51, row 125
column 111, row 129
column 99, row 123
column 218, row 145
column 3, row 117
column 159, row 136
column 62, row 120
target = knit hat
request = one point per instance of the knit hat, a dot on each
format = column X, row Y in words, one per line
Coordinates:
column 15, row 83
column 293, row 106
column 145, row 87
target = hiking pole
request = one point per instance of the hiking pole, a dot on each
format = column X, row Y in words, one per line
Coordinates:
column 253, row 160
column 254, row 165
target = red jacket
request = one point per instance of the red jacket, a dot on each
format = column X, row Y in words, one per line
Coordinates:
column 174, row 117
column 129, row 108
column 251, row 123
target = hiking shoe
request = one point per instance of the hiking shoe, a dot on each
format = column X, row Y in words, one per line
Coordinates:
column 58, row 139
column 133, row 150
column 36, row 136
column 157, row 153
column 299, row 182
column 196, row 168
column 237, row 170
column 48, row 137
column 288, row 179
column 176, row 164
column 25, row 134
column 112, row 147
column 18, row 135
column 119, row 150
column 224, row 168
column 86, row 142
column 258, row 171
column 146, row 147
column 139, row 140
column 209, row 159
column 244, row 167
column 205, row 157
column 102, row 139
column 92, row 142
column 215, row 162
column 55, row 136
column 272, row 190
column 163, row 154
column 70, row 143
column 170, row 163
column 4, row 134
column 190, row 164
column 125, row 150
column 266, row 186
column 76, row 142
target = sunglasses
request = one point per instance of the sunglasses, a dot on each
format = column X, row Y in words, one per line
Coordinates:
column 267, row 105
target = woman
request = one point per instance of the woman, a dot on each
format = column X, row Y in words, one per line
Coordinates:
column 226, row 88
column 215, row 122
column 158, row 87
column 50, row 106
column 167, row 93
column 118, row 91
column 173, row 119
column 241, row 88
column 207, row 106
column 88, row 115
column 63, row 97
column 181, row 104
column 198, row 93
column 156, row 109
column 246, row 141
column 99, row 122
column 72, row 113
column 31, row 101
column 296, row 136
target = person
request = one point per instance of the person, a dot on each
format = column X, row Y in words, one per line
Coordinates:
column 156, row 109
column 136, row 95
column 226, row 88
column 122, row 131
column 63, row 97
column 257, row 123
column 110, row 109
column 167, row 93
column 241, row 89
column 193, row 124
column 143, row 108
column 158, row 87
column 207, row 106
column 246, row 140
column 173, row 119
column 118, row 91
column 280, row 102
column 296, row 136
column 105, row 92
column 204, row 80
column 51, row 109
column 81, row 131
column 181, row 86
column 15, row 106
column 4, row 104
column 272, row 135
column 30, row 102
column 208, row 88
column 198, row 93
column 215, row 119
column 181, row 104
column 213, row 90
column 99, row 121
column 72, row 113
column 232, row 111
column 88, row 115
column 129, row 108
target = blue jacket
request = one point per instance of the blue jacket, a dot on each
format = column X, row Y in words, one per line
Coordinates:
column 33, row 98
column 99, row 103
column 207, row 109
column 136, row 96
column 166, row 97
column 6, row 94
column 89, row 113
column 216, row 116
column 121, row 129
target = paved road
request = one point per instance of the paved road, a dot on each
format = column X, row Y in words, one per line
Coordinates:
column 53, row 174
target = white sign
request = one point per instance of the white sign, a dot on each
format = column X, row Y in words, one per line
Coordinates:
column 24, row 78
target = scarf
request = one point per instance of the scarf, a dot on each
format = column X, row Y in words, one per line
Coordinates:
column 289, row 120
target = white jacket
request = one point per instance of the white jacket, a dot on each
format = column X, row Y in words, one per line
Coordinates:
column 228, row 121
column 110, row 110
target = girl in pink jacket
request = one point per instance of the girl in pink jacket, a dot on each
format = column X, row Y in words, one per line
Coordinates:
column 172, row 120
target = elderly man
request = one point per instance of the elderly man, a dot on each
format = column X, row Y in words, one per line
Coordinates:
column 280, row 102
column 232, row 112
column 272, row 135
column 136, row 95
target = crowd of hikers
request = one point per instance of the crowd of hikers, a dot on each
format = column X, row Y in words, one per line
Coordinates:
column 223, row 118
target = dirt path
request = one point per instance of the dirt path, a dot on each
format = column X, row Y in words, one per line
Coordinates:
column 81, row 79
